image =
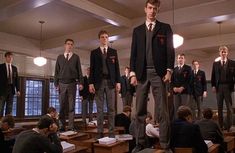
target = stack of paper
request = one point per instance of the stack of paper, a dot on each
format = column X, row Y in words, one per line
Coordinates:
column 209, row 143
column 67, row 146
column 123, row 137
column 68, row 133
column 107, row 140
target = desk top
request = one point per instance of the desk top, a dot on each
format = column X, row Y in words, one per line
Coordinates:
column 77, row 149
column 109, row 145
column 65, row 138
column 214, row 148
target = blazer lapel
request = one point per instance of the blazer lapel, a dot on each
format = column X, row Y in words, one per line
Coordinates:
column 156, row 28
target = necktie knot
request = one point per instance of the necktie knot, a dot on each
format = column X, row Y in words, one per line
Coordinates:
column 104, row 51
column 150, row 27
column 67, row 56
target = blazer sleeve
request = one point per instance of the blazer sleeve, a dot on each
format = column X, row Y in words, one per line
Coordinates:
column 170, row 49
column 133, row 52
column 16, row 80
column 199, row 143
column 79, row 70
column 92, row 66
column 204, row 83
column 213, row 78
column 57, row 71
column 117, row 70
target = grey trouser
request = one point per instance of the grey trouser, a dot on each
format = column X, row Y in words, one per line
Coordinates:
column 109, row 92
column 87, row 103
column 160, row 98
column 127, row 99
column 180, row 100
column 224, row 93
column 197, row 104
column 8, row 100
column 67, row 96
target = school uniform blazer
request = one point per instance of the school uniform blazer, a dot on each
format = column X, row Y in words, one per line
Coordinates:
column 199, row 83
column 96, row 69
column 163, row 53
column 230, row 74
column 4, row 81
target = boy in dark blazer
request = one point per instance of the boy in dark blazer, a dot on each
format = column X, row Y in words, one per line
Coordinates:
column 104, row 78
column 151, row 63
column 181, row 83
column 9, row 83
column 222, row 82
column 199, row 88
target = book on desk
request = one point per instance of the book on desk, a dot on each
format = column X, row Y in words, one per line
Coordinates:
column 209, row 143
column 123, row 137
column 68, row 133
column 67, row 146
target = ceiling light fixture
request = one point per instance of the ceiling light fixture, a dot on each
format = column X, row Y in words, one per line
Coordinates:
column 40, row 61
column 177, row 39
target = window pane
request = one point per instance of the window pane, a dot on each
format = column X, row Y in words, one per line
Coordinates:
column 78, row 104
column 54, row 97
column 33, row 98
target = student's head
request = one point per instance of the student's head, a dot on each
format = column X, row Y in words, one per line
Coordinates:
column 148, row 118
column 151, row 9
column 7, row 122
column 181, row 59
column 127, row 110
column 127, row 70
column 9, row 57
column 223, row 52
column 46, row 125
column 103, row 37
column 52, row 111
column 184, row 113
column 207, row 113
column 68, row 45
column 88, row 71
column 195, row 64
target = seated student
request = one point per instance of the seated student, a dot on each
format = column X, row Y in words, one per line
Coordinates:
column 7, row 124
column 39, row 140
column 123, row 119
column 210, row 129
column 151, row 132
column 53, row 114
column 185, row 134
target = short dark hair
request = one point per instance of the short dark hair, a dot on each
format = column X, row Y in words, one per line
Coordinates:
column 153, row 2
column 51, row 109
column 126, row 109
column 68, row 39
column 183, row 112
column 181, row 54
column 44, row 122
column 194, row 61
column 102, row 32
column 9, row 119
column 207, row 113
column 8, row 54
column 127, row 67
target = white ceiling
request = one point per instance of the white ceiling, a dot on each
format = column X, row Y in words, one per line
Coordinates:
column 81, row 20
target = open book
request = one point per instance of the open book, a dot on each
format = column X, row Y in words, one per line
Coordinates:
column 67, row 146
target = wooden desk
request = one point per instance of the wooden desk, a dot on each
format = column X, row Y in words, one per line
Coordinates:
column 93, row 132
column 117, row 147
column 229, row 143
column 213, row 149
column 79, row 135
column 78, row 149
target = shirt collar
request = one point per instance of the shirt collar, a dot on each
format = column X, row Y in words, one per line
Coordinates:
column 224, row 60
column 153, row 23
column 70, row 54
column 102, row 48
